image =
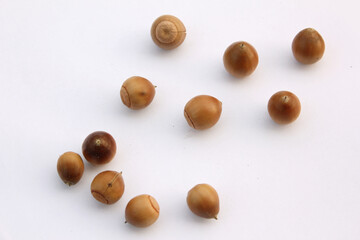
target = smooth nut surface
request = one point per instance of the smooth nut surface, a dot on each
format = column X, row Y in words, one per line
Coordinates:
column 70, row 168
column 240, row 59
column 308, row 46
column 284, row 107
column 142, row 211
column 168, row 32
column 203, row 201
column 137, row 92
column 108, row 187
column 202, row 112
column 99, row 148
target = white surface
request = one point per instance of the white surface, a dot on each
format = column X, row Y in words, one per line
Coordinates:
column 62, row 64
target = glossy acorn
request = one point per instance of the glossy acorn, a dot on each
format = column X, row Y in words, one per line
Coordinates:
column 203, row 201
column 168, row 32
column 240, row 59
column 70, row 168
column 137, row 92
column 308, row 46
column 99, row 148
column 108, row 187
column 284, row 107
column 142, row 211
column 202, row 112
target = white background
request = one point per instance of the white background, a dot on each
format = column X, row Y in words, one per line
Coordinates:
column 62, row 63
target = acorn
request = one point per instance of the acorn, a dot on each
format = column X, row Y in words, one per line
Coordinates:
column 168, row 32
column 202, row 112
column 284, row 107
column 137, row 92
column 203, row 201
column 240, row 59
column 99, row 148
column 70, row 168
column 308, row 46
column 142, row 211
column 108, row 187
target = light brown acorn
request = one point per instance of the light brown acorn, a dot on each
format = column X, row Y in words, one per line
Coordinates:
column 142, row 211
column 137, row 92
column 168, row 32
column 203, row 201
column 202, row 112
column 108, row 187
column 70, row 168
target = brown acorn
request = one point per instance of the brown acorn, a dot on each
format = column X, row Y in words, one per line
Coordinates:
column 137, row 92
column 284, row 107
column 108, row 187
column 99, row 148
column 240, row 59
column 202, row 112
column 168, row 32
column 70, row 168
column 308, row 46
column 203, row 201
column 142, row 211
